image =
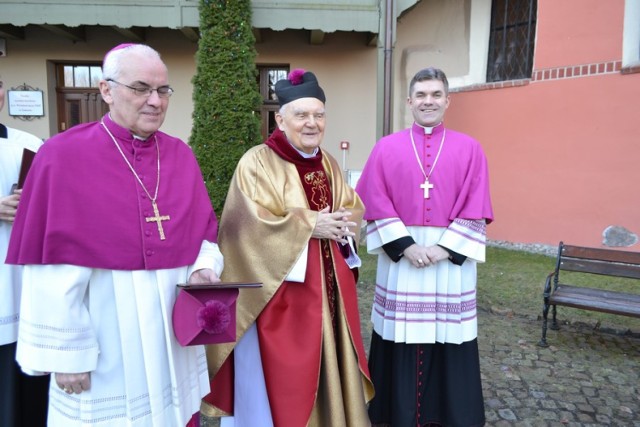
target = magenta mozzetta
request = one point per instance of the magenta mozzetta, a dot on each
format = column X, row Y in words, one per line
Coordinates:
column 54, row 226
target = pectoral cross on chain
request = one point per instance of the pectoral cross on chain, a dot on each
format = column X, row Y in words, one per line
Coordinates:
column 426, row 186
column 157, row 218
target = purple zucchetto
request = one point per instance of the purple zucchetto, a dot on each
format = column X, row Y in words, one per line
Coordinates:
column 120, row 46
column 299, row 84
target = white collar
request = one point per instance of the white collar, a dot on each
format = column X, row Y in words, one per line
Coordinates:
column 428, row 130
column 303, row 154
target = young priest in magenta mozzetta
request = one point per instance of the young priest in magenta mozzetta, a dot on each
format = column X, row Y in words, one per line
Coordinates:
column 290, row 221
column 426, row 189
column 114, row 214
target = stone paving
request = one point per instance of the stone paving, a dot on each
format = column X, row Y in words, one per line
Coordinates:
column 585, row 377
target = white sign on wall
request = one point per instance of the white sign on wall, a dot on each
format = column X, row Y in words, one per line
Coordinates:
column 26, row 103
column 352, row 177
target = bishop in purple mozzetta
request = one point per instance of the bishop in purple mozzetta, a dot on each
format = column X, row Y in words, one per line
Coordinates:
column 113, row 215
column 426, row 193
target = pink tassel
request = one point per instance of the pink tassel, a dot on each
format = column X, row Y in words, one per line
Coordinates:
column 214, row 317
column 295, row 76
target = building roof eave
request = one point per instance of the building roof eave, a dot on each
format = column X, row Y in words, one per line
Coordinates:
column 327, row 18
column 355, row 15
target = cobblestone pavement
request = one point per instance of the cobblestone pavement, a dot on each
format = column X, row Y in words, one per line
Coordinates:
column 585, row 377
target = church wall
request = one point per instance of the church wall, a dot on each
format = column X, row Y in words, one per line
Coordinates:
column 563, row 150
column 578, row 32
column 562, row 155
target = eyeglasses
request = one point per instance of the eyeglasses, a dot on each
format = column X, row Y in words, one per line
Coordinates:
column 146, row 91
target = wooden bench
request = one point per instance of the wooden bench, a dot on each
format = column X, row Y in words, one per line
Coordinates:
column 605, row 262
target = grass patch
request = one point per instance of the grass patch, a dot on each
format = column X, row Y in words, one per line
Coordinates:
column 513, row 281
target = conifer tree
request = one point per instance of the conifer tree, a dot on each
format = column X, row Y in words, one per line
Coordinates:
column 226, row 95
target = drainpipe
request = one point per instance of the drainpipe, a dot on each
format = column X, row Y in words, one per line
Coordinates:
column 389, row 17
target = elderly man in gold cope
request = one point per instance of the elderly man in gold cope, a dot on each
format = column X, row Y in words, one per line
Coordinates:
column 290, row 221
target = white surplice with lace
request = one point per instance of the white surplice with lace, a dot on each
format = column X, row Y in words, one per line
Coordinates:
column 117, row 326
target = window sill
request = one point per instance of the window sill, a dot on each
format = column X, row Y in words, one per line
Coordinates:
column 492, row 85
column 611, row 67
column 630, row 69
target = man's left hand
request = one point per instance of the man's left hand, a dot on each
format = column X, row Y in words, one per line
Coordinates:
column 73, row 383
column 9, row 207
column 334, row 225
column 437, row 253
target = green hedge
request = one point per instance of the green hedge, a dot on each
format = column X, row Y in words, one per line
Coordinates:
column 226, row 95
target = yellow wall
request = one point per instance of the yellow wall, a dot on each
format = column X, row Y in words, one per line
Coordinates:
column 26, row 62
column 433, row 34
column 346, row 70
column 344, row 64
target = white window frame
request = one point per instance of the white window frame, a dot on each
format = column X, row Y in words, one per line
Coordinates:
column 631, row 34
column 479, row 33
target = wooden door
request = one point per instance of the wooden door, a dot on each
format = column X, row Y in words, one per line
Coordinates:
column 78, row 95
column 77, row 106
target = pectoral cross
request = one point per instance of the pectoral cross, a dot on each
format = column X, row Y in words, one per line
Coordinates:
column 426, row 186
column 157, row 218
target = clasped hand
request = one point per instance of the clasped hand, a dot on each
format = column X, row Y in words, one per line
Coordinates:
column 74, row 383
column 424, row 256
column 334, row 225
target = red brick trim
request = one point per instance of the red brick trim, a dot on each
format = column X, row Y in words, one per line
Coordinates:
column 573, row 71
column 557, row 73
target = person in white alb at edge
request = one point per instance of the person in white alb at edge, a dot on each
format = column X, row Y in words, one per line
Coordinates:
column 23, row 398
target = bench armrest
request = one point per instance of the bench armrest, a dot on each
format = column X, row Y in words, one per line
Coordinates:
column 547, row 284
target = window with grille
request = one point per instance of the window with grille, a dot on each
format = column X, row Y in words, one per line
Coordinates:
column 511, row 43
column 268, row 75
